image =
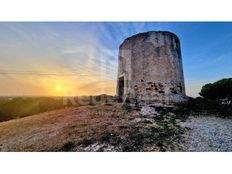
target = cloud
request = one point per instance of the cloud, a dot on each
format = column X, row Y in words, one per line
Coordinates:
column 71, row 51
column 90, row 52
column 43, row 48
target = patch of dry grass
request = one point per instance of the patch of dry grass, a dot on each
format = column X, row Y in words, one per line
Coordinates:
column 74, row 129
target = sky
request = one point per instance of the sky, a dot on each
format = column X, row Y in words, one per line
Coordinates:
column 81, row 58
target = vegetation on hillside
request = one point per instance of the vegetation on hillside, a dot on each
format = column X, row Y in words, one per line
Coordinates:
column 18, row 107
column 215, row 98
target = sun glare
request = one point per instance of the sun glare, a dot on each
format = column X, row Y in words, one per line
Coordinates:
column 58, row 88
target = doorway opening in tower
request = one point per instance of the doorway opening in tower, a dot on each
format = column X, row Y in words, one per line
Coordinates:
column 121, row 87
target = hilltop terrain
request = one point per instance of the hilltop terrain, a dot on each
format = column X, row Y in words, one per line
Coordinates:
column 86, row 128
column 111, row 128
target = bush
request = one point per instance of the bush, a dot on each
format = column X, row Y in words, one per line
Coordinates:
column 86, row 142
column 67, row 147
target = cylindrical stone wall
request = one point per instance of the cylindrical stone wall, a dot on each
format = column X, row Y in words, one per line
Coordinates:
column 150, row 68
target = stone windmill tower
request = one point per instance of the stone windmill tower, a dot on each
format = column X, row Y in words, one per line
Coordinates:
column 150, row 69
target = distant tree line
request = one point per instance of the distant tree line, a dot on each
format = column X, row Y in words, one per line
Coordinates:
column 18, row 107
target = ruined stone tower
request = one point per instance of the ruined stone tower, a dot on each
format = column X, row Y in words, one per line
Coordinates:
column 150, row 69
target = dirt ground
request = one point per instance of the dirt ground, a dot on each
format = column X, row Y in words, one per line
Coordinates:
column 61, row 129
column 111, row 128
column 91, row 129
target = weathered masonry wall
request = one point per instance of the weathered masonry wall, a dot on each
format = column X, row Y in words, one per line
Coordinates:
column 150, row 68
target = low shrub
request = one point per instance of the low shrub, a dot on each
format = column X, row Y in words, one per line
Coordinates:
column 67, row 147
column 126, row 105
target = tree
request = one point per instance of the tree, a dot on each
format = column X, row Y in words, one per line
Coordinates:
column 219, row 92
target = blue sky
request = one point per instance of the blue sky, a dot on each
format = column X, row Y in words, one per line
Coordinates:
column 82, row 57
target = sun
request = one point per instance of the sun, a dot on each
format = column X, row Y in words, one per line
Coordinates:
column 58, row 88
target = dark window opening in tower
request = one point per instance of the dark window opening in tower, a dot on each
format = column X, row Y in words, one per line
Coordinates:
column 121, row 87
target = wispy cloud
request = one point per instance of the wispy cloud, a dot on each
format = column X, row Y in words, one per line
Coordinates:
column 41, row 48
column 89, row 51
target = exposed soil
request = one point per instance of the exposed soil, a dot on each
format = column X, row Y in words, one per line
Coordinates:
column 111, row 128
column 90, row 128
column 52, row 131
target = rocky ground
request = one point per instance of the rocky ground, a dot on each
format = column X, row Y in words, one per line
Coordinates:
column 207, row 133
column 112, row 128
